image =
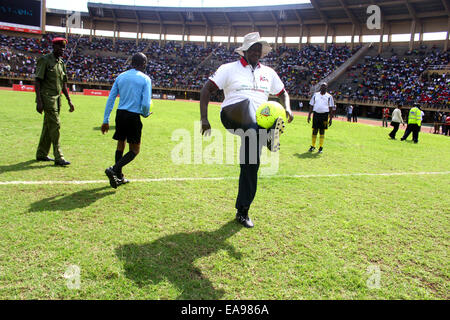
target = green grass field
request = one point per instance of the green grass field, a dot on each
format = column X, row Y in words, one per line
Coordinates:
column 360, row 221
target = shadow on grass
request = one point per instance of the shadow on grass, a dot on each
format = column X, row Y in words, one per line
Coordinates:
column 172, row 258
column 69, row 202
column 25, row 165
column 99, row 128
column 307, row 155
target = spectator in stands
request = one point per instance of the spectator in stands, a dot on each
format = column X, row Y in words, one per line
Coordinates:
column 396, row 121
column 135, row 89
column 51, row 79
column 379, row 79
column 246, row 84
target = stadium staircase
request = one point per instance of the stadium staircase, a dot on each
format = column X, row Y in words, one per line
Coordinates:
column 342, row 68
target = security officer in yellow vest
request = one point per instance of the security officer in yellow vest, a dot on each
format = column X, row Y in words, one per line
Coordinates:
column 414, row 123
column 51, row 78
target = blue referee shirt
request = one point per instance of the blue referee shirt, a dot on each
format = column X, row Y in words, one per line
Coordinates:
column 135, row 90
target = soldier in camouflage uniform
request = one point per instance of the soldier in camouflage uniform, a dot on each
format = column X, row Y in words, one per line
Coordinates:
column 51, row 78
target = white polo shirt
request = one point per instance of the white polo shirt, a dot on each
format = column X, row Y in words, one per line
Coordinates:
column 240, row 81
column 322, row 103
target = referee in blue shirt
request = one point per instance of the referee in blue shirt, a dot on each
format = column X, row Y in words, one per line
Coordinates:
column 135, row 90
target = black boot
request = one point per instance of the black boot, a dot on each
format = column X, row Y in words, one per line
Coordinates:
column 243, row 218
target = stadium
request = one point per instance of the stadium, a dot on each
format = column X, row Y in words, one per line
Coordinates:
column 368, row 219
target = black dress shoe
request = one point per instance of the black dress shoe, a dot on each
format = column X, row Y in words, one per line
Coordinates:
column 244, row 219
column 61, row 163
column 44, row 159
column 112, row 176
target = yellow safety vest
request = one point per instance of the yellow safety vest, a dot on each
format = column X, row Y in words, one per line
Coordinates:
column 415, row 116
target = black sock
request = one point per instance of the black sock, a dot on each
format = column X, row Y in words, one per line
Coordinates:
column 119, row 155
column 124, row 161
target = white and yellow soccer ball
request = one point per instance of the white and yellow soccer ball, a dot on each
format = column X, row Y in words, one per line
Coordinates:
column 268, row 112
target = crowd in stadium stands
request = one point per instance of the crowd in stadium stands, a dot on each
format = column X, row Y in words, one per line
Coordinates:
column 398, row 79
column 301, row 68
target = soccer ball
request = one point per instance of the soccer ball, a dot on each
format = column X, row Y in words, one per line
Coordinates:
column 268, row 112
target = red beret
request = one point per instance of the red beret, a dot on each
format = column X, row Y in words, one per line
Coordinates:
column 59, row 39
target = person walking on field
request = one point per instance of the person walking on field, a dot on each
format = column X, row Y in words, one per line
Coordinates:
column 414, row 124
column 135, row 90
column 396, row 120
column 51, row 79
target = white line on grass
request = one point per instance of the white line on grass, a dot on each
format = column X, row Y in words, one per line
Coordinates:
column 228, row 178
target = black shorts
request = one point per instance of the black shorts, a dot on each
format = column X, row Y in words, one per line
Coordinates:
column 320, row 120
column 128, row 127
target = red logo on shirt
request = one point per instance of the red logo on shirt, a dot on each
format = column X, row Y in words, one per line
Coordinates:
column 262, row 78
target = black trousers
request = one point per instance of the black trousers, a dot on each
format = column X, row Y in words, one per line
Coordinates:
column 237, row 118
column 394, row 131
column 414, row 128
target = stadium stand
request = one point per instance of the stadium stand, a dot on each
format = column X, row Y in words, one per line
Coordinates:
column 396, row 76
column 386, row 74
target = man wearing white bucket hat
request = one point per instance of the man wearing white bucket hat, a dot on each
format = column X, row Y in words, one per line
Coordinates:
column 246, row 84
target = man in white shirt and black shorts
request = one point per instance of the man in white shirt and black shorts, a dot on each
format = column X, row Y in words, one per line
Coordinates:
column 322, row 104
column 246, row 85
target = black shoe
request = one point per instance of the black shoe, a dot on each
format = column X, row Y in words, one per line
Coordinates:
column 244, row 219
column 44, row 159
column 320, row 150
column 113, row 179
column 273, row 140
column 312, row 149
column 402, row 139
column 61, row 163
column 393, row 138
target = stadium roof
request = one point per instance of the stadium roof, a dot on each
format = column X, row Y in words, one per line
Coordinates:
column 317, row 12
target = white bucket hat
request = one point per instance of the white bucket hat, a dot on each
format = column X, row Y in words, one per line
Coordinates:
column 249, row 40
